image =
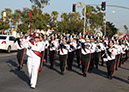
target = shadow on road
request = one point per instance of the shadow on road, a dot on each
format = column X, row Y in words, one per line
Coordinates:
column 20, row 74
column 3, row 51
column 104, row 74
column 124, row 68
column 100, row 72
column 14, row 64
column 77, row 72
column 57, row 64
column 48, row 66
column 125, row 81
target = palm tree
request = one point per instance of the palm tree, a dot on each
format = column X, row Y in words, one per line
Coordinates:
column 54, row 14
column 126, row 28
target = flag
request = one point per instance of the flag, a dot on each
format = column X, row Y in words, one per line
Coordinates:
column 31, row 14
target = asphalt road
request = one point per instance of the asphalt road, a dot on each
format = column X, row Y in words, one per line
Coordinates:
column 4, row 53
column 49, row 80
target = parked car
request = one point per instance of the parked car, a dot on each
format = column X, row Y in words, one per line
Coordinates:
column 7, row 43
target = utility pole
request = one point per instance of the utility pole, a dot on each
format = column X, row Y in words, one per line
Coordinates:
column 85, row 18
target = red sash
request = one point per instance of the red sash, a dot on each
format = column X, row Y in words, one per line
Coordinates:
column 36, row 52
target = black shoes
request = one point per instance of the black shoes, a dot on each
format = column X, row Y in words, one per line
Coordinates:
column 19, row 68
column 96, row 67
column 51, row 67
column 78, row 66
column 84, row 75
column 62, row 73
column 69, row 69
column 109, row 77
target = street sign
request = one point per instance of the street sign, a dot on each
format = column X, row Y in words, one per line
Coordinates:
column 80, row 5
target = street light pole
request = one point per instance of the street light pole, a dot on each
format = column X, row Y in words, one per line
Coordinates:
column 85, row 17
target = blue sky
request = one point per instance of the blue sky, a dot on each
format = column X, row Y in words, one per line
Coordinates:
column 119, row 18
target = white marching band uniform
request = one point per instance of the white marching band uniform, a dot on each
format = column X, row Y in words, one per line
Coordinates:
column 33, row 62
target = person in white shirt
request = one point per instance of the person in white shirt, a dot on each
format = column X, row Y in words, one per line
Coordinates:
column 63, row 53
column 93, row 47
column 46, row 44
column 111, row 54
column 118, row 55
column 34, row 48
column 78, row 52
column 42, row 52
column 52, row 51
column 85, row 55
column 21, row 51
column 99, row 47
column 126, row 49
column 71, row 53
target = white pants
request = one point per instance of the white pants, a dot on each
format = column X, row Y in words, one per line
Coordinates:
column 33, row 69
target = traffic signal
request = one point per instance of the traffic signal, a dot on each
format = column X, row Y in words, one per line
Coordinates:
column 74, row 7
column 103, row 6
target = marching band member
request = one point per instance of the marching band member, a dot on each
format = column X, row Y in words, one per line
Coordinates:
column 21, row 51
column 118, row 54
column 42, row 52
column 52, row 51
column 85, row 56
column 71, row 53
column 126, row 49
column 80, row 38
column 46, row 44
column 93, row 47
column 34, row 48
column 111, row 54
column 78, row 52
column 63, row 52
column 103, row 50
column 123, row 52
column 99, row 47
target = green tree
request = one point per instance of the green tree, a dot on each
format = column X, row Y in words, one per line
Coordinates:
column 70, row 23
column 22, row 28
column 94, row 18
column 126, row 28
column 110, row 29
column 6, row 23
column 39, row 3
column 54, row 22
column 16, row 18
